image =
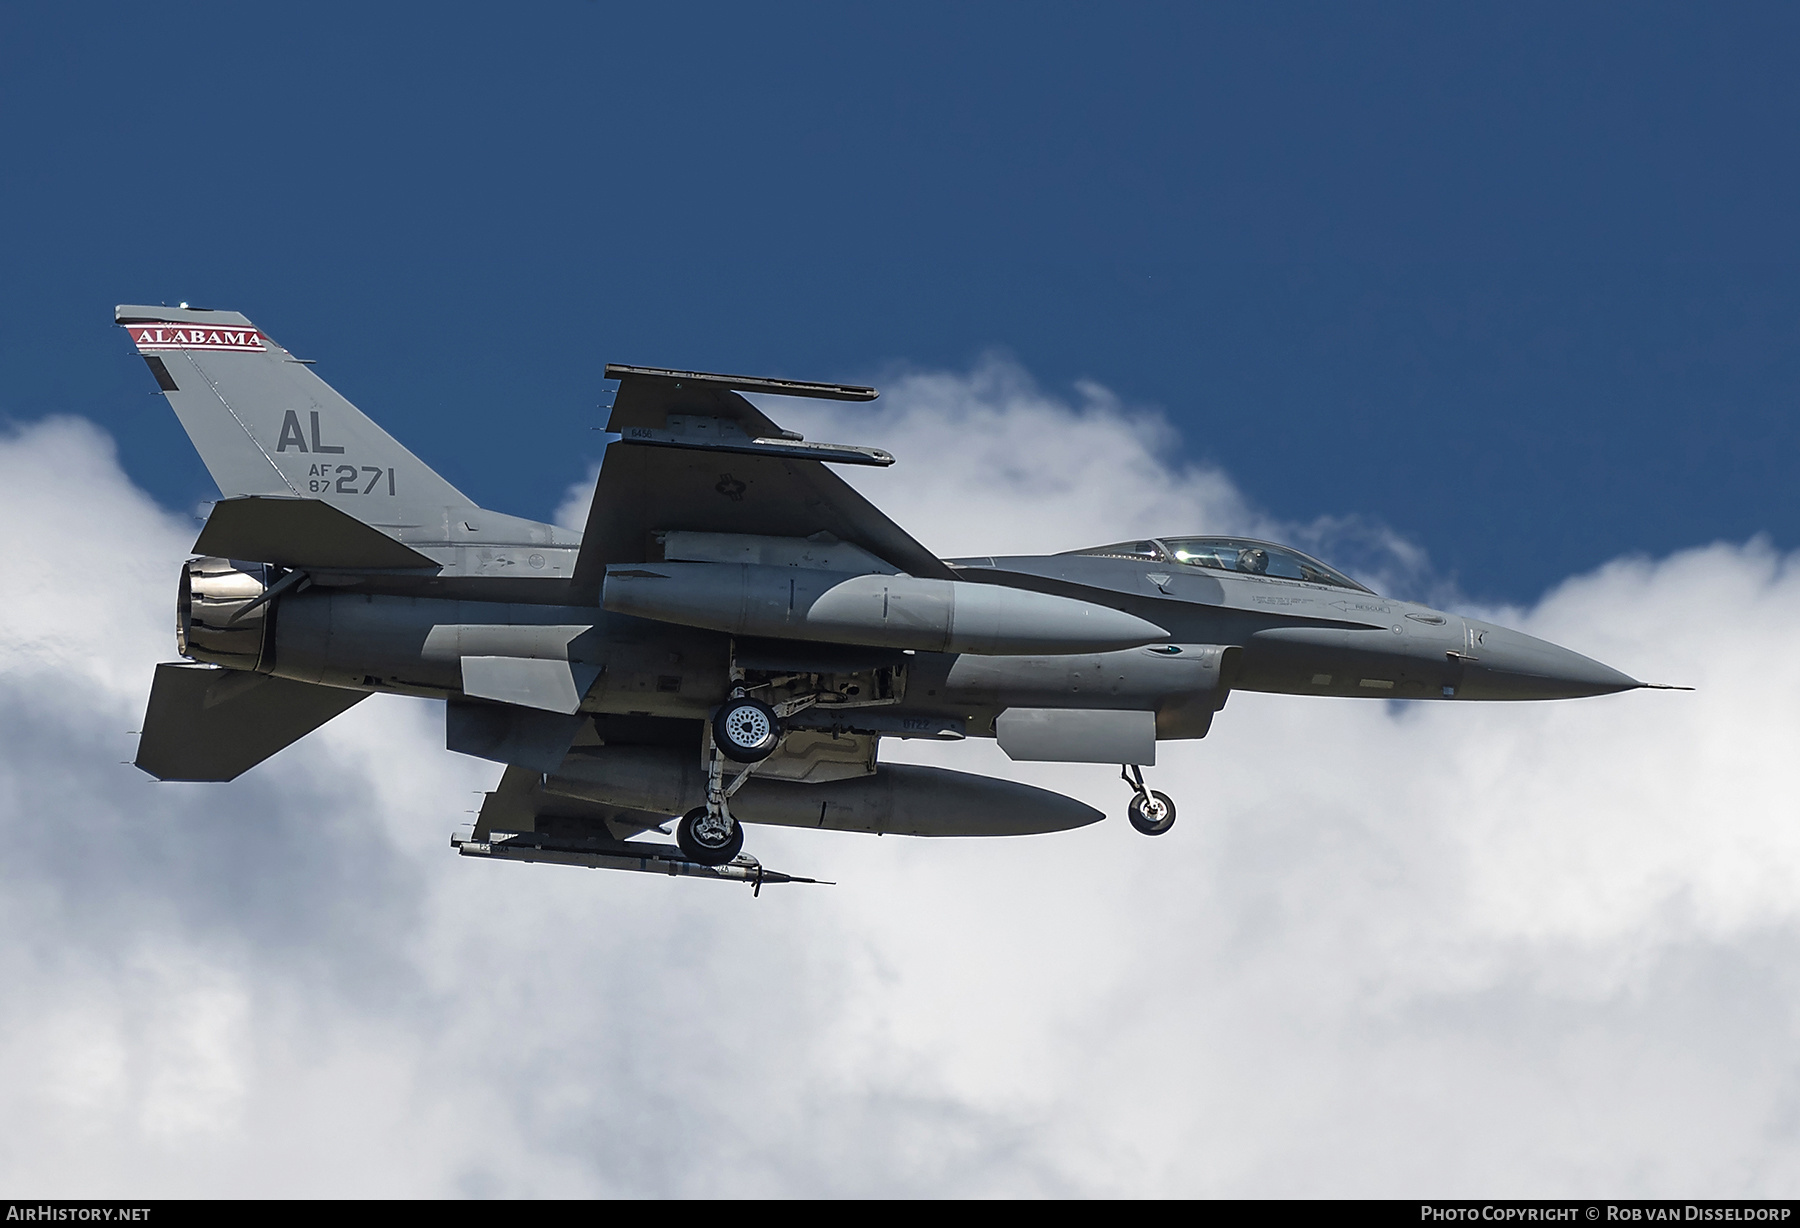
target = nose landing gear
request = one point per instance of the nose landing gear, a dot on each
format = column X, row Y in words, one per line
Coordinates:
column 1150, row 812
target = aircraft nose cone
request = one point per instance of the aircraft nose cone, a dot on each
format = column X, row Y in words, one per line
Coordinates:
column 1512, row 665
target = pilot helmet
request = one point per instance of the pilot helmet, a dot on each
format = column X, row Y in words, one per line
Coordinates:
column 1253, row 559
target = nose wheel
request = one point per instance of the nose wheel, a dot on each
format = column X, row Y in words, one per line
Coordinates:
column 1151, row 812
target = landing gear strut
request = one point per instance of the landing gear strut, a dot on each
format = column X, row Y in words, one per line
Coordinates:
column 1150, row 812
column 708, row 833
column 744, row 731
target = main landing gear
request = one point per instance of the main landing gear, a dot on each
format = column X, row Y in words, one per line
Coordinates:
column 710, row 839
column 708, row 834
column 745, row 731
column 1150, row 812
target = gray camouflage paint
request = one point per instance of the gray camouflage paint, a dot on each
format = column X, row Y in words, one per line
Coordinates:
column 506, row 618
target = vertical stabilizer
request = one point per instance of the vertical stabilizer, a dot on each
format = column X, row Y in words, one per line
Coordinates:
column 266, row 425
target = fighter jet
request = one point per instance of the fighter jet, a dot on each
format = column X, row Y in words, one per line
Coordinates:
column 735, row 632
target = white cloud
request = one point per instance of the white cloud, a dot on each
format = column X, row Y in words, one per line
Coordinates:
column 578, row 496
column 1445, row 949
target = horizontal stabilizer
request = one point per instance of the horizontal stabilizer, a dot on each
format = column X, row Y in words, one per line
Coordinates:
column 206, row 723
column 300, row 533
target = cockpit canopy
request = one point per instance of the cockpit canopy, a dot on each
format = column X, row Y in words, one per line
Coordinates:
column 1238, row 554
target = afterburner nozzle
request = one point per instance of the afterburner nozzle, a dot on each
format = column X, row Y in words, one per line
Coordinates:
column 217, row 615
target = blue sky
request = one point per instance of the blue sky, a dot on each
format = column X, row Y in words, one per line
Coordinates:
column 1518, row 281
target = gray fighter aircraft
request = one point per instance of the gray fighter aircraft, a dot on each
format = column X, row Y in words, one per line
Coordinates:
column 733, row 634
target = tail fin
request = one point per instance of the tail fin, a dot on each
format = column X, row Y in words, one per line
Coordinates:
column 266, row 425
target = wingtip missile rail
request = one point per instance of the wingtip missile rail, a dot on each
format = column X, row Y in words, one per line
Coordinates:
column 815, row 389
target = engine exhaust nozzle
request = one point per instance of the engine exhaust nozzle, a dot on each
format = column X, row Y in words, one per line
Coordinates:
column 214, row 621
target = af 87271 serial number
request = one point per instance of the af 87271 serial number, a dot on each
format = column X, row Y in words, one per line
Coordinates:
column 349, row 480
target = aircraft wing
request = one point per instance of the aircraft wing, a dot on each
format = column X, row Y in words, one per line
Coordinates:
column 519, row 803
column 697, row 456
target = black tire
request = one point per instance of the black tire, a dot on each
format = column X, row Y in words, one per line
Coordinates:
column 707, row 853
column 1152, row 813
column 746, row 731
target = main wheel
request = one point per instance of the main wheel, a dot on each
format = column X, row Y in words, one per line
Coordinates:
column 746, row 731
column 1152, row 813
column 709, row 841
